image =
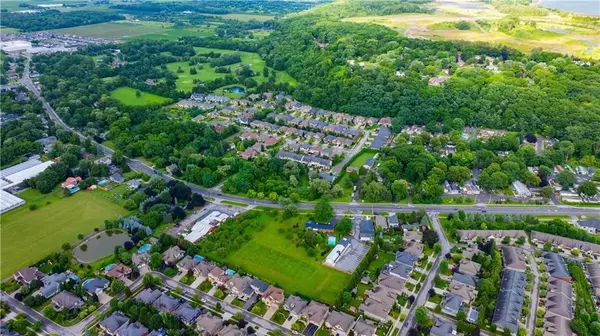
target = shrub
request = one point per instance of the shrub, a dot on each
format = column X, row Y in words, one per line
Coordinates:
column 83, row 247
column 33, row 207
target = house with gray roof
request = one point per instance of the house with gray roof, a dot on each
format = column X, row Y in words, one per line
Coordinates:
column 399, row 270
column 593, row 271
column 173, row 254
column 231, row 330
column 111, row 324
column 442, row 328
column 467, row 279
column 406, row 258
column 52, row 283
column 514, row 258
column 166, row 304
column 510, row 301
column 187, row 264
column 393, row 221
column 339, row 323
column 364, row 327
column 95, row 286
column 149, row 295
column 141, row 259
column 315, row 312
column 555, row 325
column 586, row 247
column 381, row 222
column 593, row 224
column 559, row 299
column 391, row 282
column 203, row 268
column 294, row 305
column 27, row 275
column 66, row 301
column 367, row 230
column 451, row 304
column 133, row 329
column 259, row 286
column 209, row 325
column 469, row 267
column 186, row 313
column 236, row 284
column 556, row 266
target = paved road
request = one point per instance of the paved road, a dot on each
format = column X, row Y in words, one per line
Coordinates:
column 424, row 292
column 338, row 168
column 32, row 315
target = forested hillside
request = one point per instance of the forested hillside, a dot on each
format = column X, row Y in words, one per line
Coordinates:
column 53, row 19
column 353, row 8
column 545, row 93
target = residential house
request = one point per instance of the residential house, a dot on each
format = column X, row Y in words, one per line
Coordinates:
column 466, row 292
column 172, row 168
column 26, row 275
column 514, row 258
column 141, row 259
column 209, row 325
column 556, row 266
column 166, row 304
column 391, row 282
column 367, row 230
column 451, row 304
column 119, row 271
column 588, row 248
column 510, row 301
column 469, row 267
column 470, row 252
column 315, row 312
column 442, row 328
column 173, row 254
column 117, row 178
column 378, row 303
column 467, row 279
column 149, row 295
column 186, row 313
column 51, row 283
column 218, row 276
column 593, row 270
column 555, row 325
column 259, row 286
column 95, row 286
column 592, row 224
column 187, row 264
column 364, row 327
column 237, row 284
column 559, row 300
column 66, row 301
column 134, row 184
column 133, row 329
column 203, row 269
column 273, row 296
column 393, row 221
column 294, row 305
column 381, row 222
column 113, row 323
column 382, row 139
column 231, row 330
column 471, row 235
column 339, row 323
column 416, row 236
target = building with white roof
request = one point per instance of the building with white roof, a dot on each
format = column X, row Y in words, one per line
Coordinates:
column 205, row 225
column 14, row 176
column 9, row 201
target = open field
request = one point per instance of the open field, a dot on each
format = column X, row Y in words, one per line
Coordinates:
column 127, row 96
column 248, row 17
column 551, row 32
column 185, row 81
column 361, row 159
column 272, row 257
column 118, row 29
column 27, row 236
column 174, row 34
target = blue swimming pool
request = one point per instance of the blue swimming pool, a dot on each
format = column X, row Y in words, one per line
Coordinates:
column 109, row 267
column 237, row 89
column 198, row 258
column 144, row 248
column 230, row 272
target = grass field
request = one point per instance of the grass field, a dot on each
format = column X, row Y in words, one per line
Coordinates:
column 247, row 17
column 118, row 29
column 27, row 236
column 175, row 33
column 185, row 81
column 272, row 257
column 127, row 96
column 361, row 159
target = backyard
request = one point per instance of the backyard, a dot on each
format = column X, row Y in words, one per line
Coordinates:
column 362, row 158
column 272, row 257
column 185, row 81
column 127, row 96
column 29, row 235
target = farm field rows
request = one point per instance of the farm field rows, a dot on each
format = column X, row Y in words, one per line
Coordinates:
column 128, row 96
column 272, row 257
column 29, row 235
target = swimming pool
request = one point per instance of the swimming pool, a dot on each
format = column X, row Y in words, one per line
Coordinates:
column 198, row 258
column 144, row 248
column 109, row 267
column 230, row 272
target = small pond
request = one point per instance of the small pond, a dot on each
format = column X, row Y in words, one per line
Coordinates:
column 99, row 247
column 237, row 89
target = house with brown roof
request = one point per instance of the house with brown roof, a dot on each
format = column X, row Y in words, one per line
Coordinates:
column 514, row 258
column 187, row 264
column 141, row 259
column 315, row 312
column 364, row 327
column 237, row 284
column 209, row 325
column 218, row 277
column 339, row 323
column 119, row 271
column 469, row 267
column 203, row 269
column 27, row 275
column 471, row 235
column 273, row 296
column 567, row 243
column 66, row 301
column 173, row 254
column 413, row 247
column 467, row 293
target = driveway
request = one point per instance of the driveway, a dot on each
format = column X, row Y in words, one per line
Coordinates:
column 270, row 312
column 104, row 298
column 197, row 282
column 229, row 298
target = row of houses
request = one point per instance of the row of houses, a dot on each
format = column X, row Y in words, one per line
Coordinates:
column 462, row 288
column 309, row 160
column 300, row 147
column 337, row 117
column 560, row 296
column 468, row 188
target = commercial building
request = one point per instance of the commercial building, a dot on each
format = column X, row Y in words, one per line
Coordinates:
column 346, row 255
column 205, row 224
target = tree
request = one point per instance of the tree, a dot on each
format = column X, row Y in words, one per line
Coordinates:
column 399, row 190
column 323, row 211
column 461, row 316
column 458, row 174
column 343, row 227
column 138, row 94
column 156, row 261
column 566, row 179
column 156, row 322
column 422, row 317
column 547, row 192
column 130, row 205
column 117, row 286
column 437, row 248
column 588, row 188
column 444, row 266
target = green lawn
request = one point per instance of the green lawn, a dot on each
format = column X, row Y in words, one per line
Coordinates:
column 126, row 95
column 185, row 81
column 28, row 236
column 118, row 30
column 175, row 33
column 272, row 257
column 247, row 17
column 360, row 160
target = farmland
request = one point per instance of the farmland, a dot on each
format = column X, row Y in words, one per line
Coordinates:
column 185, row 81
column 118, row 29
column 29, row 235
column 272, row 257
column 534, row 28
column 127, row 96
